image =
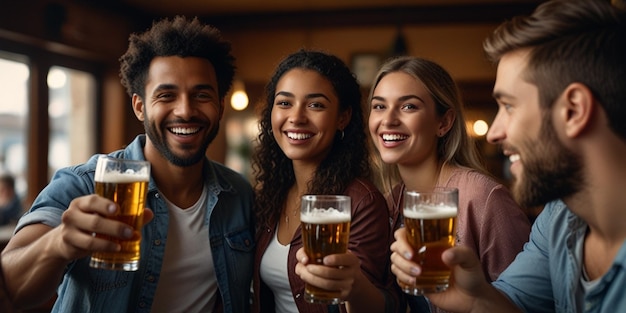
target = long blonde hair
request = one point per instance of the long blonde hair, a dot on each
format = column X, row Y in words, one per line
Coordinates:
column 456, row 147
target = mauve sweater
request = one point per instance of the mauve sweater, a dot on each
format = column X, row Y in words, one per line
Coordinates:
column 489, row 220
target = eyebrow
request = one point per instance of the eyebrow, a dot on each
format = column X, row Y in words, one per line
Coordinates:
column 403, row 98
column 499, row 95
column 309, row 96
column 162, row 87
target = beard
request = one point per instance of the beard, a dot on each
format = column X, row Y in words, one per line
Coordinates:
column 160, row 143
column 551, row 170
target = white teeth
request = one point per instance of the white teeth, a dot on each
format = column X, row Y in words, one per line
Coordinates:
column 394, row 137
column 514, row 157
column 184, row 131
column 298, row 136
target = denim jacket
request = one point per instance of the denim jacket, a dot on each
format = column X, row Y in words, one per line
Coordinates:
column 231, row 234
column 545, row 277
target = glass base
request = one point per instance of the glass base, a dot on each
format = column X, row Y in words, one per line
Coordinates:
column 312, row 299
column 421, row 290
column 129, row 267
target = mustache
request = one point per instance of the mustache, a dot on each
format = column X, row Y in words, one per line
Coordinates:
column 187, row 121
column 508, row 148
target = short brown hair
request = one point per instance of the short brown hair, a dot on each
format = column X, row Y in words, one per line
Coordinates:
column 580, row 41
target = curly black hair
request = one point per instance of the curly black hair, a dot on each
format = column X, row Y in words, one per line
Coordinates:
column 348, row 158
column 182, row 37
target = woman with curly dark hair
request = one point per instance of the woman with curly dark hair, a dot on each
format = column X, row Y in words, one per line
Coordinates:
column 312, row 140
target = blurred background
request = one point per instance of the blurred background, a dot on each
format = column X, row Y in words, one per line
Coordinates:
column 61, row 100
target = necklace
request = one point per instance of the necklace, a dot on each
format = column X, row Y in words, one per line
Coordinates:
column 296, row 208
column 295, row 212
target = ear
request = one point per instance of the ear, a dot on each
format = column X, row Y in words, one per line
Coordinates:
column 344, row 118
column 446, row 122
column 138, row 107
column 577, row 108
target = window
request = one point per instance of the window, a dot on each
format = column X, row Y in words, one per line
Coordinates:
column 14, row 77
column 34, row 143
column 72, row 117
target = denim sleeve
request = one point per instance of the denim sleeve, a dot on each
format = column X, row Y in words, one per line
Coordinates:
column 66, row 184
column 527, row 281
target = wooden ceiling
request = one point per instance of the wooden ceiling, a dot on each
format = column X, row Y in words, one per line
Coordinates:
column 228, row 7
column 241, row 14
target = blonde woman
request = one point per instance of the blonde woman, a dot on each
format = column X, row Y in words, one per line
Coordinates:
column 417, row 126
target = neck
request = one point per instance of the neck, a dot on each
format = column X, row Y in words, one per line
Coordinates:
column 181, row 185
column 424, row 175
column 304, row 173
column 602, row 196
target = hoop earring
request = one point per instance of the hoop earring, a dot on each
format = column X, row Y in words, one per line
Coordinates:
column 342, row 133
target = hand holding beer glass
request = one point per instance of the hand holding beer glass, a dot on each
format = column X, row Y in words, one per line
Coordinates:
column 430, row 222
column 325, row 230
column 126, row 183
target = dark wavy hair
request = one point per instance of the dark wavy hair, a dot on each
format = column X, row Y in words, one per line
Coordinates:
column 176, row 37
column 571, row 41
column 348, row 158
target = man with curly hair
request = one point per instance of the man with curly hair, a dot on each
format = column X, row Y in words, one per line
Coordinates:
column 198, row 240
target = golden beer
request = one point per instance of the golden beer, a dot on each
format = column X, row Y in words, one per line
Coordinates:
column 431, row 229
column 128, row 189
column 325, row 224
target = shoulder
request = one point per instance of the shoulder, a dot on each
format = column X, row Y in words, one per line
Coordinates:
column 226, row 172
column 469, row 177
column 361, row 189
column 361, row 185
column 76, row 179
column 555, row 212
column 227, row 178
column 364, row 194
column 477, row 185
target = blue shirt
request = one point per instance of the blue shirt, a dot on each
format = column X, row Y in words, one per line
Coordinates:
column 546, row 275
column 231, row 234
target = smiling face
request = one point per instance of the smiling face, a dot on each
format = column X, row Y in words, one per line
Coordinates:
column 305, row 115
column 544, row 169
column 403, row 121
column 182, row 110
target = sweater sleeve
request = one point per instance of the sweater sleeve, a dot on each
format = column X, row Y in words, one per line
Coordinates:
column 503, row 232
column 369, row 232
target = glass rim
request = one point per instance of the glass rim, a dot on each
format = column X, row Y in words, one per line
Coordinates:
column 442, row 190
column 116, row 159
column 326, row 197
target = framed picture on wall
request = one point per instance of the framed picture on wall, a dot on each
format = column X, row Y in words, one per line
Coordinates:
column 365, row 66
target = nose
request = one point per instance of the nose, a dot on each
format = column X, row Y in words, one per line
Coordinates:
column 184, row 107
column 496, row 133
column 390, row 118
column 297, row 115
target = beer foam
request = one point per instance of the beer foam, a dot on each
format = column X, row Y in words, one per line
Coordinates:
column 431, row 212
column 324, row 216
column 116, row 176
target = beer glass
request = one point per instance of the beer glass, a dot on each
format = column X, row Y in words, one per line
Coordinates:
column 325, row 230
column 126, row 183
column 430, row 222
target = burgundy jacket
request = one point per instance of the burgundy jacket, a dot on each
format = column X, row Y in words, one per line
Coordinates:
column 369, row 241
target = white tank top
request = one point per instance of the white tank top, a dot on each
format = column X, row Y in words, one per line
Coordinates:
column 274, row 273
column 187, row 282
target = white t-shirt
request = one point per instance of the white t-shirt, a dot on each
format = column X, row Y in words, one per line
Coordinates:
column 274, row 274
column 187, row 282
